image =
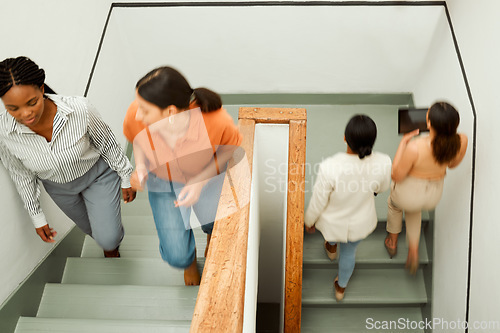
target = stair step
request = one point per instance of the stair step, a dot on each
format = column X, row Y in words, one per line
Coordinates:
column 366, row 286
column 59, row 325
column 125, row 271
column 370, row 251
column 117, row 302
column 139, row 225
column 139, row 207
column 140, row 246
column 350, row 320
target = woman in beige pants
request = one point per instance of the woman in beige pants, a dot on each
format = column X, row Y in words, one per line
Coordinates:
column 418, row 172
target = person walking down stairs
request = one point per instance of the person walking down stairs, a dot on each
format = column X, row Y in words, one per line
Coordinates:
column 342, row 205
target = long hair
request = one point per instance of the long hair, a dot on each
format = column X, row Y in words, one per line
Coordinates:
column 444, row 119
column 360, row 134
column 164, row 86
column 21, row 71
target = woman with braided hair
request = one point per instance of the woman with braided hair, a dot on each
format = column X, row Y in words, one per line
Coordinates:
column 63, row 143
column 418, row 172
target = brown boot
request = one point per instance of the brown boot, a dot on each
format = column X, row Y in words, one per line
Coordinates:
column 112, row 254
column 339, row 291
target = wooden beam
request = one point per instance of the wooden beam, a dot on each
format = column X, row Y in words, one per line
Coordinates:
column 220, row 303
column 272, row 115
column 295, row 225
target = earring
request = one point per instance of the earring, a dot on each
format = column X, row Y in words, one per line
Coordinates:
column 171, row 120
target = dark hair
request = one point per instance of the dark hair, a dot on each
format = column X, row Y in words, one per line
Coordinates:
column 21, row 71
column 360, row 134
column 444, row 119
column 165, row 86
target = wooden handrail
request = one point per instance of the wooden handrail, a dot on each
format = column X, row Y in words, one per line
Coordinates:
column 295, row 225
column 220, row 303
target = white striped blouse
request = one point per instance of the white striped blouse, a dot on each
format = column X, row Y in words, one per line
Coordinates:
column 79, row 138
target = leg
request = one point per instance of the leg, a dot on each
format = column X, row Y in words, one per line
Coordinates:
column 74, row 207
column 177, row 244
column 394, row 226
column 347, row 254
column 413, row 226
column 102, row 199
column 206, row 207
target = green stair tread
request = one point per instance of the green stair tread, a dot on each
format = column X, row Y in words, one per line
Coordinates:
column 366, row 286
column 360, row 319
column 370, row 251
column 125, row 271
column 56, row 325
column 139, row 225
column 139, row 207
column 118, row 302
column 139, row 246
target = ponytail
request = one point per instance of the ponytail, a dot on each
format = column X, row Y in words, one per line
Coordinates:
column 207, row 99
column 445, row 147
column 364, row 151
column 444, row 119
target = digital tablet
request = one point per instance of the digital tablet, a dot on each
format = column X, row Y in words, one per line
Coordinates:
column 411, row 119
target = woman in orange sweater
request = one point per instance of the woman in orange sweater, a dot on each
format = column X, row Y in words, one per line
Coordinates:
column 182, row 140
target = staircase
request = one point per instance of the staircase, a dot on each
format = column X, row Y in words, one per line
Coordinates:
column 135, row 293
column 379, row 291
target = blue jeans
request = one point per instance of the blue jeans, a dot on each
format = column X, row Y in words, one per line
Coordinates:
column 177, row 242
column 346, row 255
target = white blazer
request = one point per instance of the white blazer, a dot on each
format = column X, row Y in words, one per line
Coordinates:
column 342, row 205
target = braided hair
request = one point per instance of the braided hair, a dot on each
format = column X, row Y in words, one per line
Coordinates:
column 21, row 71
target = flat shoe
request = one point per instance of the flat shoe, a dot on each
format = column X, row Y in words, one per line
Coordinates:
column 391, row 250
column 339, row 291
column 331, row 255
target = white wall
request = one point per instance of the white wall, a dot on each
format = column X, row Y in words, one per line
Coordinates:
column 347, row 49
column 271, row 141
column 442, row 80
column 477, row 27
column 64, row 45
column 264, row 49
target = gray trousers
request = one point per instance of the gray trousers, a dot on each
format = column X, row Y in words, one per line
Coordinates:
column 93, row 203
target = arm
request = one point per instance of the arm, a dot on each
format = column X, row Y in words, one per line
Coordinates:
column 229, row 141
column 29, row 191
column 405, row 157
column 319, row 200
column 190, row 194
column 463, row 149
column 104, row 140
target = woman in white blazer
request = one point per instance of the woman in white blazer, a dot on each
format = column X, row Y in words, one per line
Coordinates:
column 342, row 205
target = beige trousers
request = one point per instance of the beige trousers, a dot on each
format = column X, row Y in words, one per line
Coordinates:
column 412, row 195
